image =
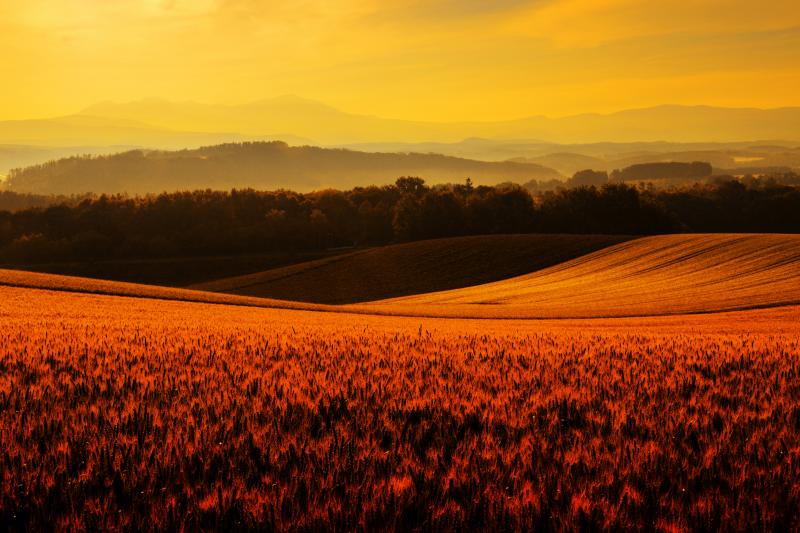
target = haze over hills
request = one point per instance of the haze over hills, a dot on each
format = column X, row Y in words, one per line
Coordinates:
column 163, row 124
column 570, row 158
column 567, row 159
column 272, row 165
column 601, row 142
column 327, row 125
column 86, row 130
column 20, row 155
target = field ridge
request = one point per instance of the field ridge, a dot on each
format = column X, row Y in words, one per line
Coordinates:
column 412, row 268
column 657, row 275
column 651, row 276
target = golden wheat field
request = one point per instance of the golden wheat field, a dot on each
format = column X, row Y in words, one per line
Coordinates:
column 415, row 266
column 140, row 413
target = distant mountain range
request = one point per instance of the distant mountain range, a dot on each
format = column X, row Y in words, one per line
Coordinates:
column 327, row 125
column 601, row 142
column 263, row 165
column 164, row 124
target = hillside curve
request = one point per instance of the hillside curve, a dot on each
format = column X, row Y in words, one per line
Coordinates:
column 666, row 275
column 412, row 268
column 659, row 275
column 60, row 283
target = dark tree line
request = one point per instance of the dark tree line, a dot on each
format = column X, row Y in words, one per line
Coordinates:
column 248, row 221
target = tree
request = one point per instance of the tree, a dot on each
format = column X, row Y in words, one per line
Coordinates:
column 406, row 218
column 320, row 227
column 441, row 214
column 411, row 185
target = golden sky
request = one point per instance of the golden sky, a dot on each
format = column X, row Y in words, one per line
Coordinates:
column 436, row 60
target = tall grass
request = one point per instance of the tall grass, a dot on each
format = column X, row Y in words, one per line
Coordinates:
column 126, row 413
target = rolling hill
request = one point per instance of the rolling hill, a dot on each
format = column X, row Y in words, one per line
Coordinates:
column 267, row 165
column 412, row 268
column 564, row 158
column 173, row 271
column 661, row 275
column 73, row 284
column 670, row 275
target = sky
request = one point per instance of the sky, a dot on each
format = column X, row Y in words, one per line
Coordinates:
column 434, row 60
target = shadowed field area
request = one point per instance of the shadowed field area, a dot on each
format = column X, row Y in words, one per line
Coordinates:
column 669, row 274
column 172, row 271
column 412, row 268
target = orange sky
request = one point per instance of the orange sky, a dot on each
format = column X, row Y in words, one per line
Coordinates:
column 419, row 59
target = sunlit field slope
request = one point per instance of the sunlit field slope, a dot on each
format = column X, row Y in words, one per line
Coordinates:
column 674, row 274
column 669, row 274
column 122, row 413
column 413, row 268
column 55, row 282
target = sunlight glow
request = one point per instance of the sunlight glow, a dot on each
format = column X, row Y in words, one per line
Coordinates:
column 439, row 60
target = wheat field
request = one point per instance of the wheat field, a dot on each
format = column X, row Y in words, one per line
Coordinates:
column 127, row 406
column 141, row 413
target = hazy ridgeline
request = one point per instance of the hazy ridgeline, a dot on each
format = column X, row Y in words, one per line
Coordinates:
column 247, row 221
column 262, row 165
column 275, row 165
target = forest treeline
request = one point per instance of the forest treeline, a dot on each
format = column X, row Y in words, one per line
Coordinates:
column 248, row 221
